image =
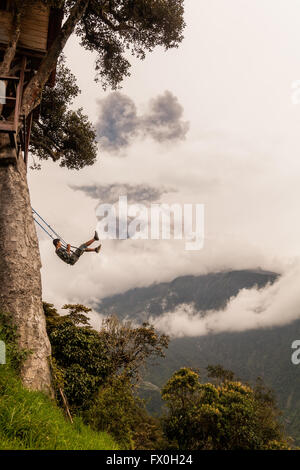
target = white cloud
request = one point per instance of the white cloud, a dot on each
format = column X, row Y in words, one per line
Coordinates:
column 274, row 305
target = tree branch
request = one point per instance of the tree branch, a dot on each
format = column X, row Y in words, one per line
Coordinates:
column 32, row 94
column 123, row 26
column 10, row 51
column 55, row 156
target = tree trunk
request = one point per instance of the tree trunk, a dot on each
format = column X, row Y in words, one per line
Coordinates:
column 20, row 280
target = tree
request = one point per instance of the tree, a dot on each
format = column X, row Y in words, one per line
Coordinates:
column 117, row 410
column 111, row 28
column 97, row 384
column 228, row 416
column 59, row 133
column 87, row 358
column 219, row 373
column 80, row 354
column 130, row 347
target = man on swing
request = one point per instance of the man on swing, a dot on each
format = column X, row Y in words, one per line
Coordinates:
column 69, row 257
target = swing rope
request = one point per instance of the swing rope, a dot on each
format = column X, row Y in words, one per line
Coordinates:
column 49, row 226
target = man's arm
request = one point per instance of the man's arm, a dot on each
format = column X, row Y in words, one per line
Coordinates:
column 69, row 249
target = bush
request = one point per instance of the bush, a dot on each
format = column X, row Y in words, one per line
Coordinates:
column 118, row 410
column 226, row 416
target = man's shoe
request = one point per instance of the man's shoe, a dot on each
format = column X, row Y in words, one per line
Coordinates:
column 96, row 237
column 98, row 248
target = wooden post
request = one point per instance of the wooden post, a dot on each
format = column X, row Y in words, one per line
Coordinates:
column 9, row 129
column 19, row 94
column 27, row 138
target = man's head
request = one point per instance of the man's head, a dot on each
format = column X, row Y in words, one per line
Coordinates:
column 57, row 243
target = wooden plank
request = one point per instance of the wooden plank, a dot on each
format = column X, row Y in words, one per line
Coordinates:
column 39, row 8
column 34, row 33
column 38, row 19
column 8, row 98
column 7, row 77
column 6, row 126
column 39, row 43
column 31, row 28
column 35, row 40
column 36, row 16
column 37, row 54
column 35, row 37
column 5, row 15
column 37, row 23
column 31, row 43
column 3, row 39
column 37, row 28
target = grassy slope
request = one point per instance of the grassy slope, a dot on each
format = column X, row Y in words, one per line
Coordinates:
column 30, row 420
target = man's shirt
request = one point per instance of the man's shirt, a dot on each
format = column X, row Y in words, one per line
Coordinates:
column 64, row 255
column 70, row 258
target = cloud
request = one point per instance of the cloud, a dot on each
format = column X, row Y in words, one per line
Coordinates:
column 139, row 195
column 163, row 122
column 118, row 122
column 274, row 305
column 110, row 193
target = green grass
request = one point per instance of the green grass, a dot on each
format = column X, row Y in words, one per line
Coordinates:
column 31, row 420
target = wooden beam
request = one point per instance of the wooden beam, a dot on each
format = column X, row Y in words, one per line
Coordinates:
column 7, row 77
column 7, row 126
column 35, row 53
column 27, row 138
column 19, row 94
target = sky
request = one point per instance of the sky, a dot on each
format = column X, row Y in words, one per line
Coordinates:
column 213, row 122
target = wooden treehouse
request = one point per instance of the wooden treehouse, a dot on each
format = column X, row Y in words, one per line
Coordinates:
column 39, row 27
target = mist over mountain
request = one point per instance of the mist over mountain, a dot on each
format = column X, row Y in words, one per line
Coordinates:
column 206, row 292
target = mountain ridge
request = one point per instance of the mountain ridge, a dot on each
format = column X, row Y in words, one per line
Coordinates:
column 207, row 291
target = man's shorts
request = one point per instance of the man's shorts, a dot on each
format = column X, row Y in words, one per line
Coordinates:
column 77, row 253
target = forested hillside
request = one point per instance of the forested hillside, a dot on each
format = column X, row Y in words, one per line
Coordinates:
column 253, row 353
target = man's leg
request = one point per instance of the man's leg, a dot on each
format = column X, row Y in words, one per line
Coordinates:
column 96, row 250
column 89, row 242
column 84, row 247
column 80, row 250
column 92, row 241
